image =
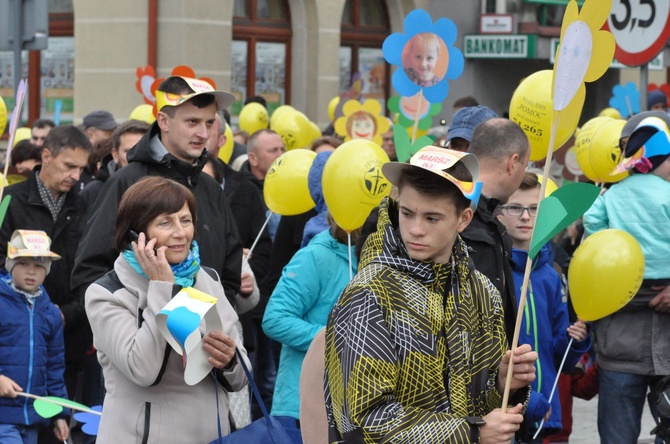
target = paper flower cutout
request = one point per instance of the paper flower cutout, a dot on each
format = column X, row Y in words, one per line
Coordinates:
column 410, row 108
column 145, row 78
column 179, row 323
column 426, row 56
column 362, row 121
column 404, row 147
column 90, row 421
column 585, row 52
column 626, row 99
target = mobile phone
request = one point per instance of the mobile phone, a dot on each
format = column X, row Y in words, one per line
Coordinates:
column 133, row 236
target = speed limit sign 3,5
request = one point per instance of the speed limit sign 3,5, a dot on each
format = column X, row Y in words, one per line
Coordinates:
column 641, row 29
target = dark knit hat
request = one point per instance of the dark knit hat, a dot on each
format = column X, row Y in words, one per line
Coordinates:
column 655, row 97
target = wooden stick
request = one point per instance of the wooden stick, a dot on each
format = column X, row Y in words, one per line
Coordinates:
column 62, row 404
column 416, row 115
column 529, row 264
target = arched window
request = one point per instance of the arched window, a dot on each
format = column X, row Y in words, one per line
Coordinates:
column 365, row 25
column 261, row 56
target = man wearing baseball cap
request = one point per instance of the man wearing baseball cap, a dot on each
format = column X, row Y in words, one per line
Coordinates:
column 416, row 346
column 173, row 148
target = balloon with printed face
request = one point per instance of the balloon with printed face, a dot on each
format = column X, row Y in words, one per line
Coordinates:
column 605, row 273
column 353, row 183
column 294, row 129
column 285, row 189
column 253, row 117
column 583, row 142
column 605, row 153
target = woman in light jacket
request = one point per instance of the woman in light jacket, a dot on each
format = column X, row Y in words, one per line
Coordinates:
column 147, row 399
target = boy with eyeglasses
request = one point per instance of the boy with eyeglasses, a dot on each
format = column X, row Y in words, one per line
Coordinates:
column 546, row 324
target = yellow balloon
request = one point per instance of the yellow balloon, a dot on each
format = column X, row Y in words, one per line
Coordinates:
column 332, row 106
column 253, row 117
column 532, row 108
column 276, row 114
column 316, row 131
column 294, row 129
column 143, row 112
column 22, row 133
column 353, row 183
column 227, row 149
column 605, row 273
column 583, row 145
column 3, row 116
column 285, row 190
column 605, row 153
column 610, row 112
column 551, row 185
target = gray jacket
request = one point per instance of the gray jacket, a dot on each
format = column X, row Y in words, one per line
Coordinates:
column 635, row 339
column 146, row 402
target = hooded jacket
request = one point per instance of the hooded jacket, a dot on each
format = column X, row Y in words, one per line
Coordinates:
column 147, row 399
column 299, row 307
column 544, row 326
column 31, row 352
column 220, row 246
column 412, row 347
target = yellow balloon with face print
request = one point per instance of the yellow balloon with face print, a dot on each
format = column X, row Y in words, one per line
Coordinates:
column 353, row 183
column 294, row 129
column 605, row 154
column 227, row 149
column 316, row 131
column 253, row 117
column 605, row 273
column 285, row 189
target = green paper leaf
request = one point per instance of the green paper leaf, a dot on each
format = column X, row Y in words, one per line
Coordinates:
column 563, row 207
column 47, row 409
column 3, row 207
column 404, row 147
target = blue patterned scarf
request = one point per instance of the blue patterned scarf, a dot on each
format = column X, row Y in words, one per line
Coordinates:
column 184, row 272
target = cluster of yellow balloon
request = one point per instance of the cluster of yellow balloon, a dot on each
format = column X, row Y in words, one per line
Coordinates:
column 597, row 149
column 605, row 273
column 532, row 109
column 253, row 117
column 3, row 116
column 353, row 183
column 295, row 129
column 285, row 190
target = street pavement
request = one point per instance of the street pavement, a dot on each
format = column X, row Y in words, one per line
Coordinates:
column 585, row 423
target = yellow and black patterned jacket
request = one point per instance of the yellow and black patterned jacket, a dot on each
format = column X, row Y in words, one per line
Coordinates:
column 412, row 348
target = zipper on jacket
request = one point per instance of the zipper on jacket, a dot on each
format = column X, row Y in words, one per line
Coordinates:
column 31, row 311
column 147, row 422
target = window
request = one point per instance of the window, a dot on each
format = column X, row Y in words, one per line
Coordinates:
column 365, row 25
column 261, row 52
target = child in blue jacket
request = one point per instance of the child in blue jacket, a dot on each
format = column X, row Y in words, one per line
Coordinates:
column 31, row 340
column 545, row 324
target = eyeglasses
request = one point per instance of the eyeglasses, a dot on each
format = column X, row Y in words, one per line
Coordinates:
column 517, row 210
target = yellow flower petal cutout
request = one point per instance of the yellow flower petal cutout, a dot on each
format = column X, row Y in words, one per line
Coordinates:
column 362, row 121
column 584, row 53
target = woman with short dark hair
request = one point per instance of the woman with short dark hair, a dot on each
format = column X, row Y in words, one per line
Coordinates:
column 147, row 397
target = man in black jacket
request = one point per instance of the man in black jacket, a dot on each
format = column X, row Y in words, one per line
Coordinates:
column 503, row 151
column 173, row 148
column 47, row 201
